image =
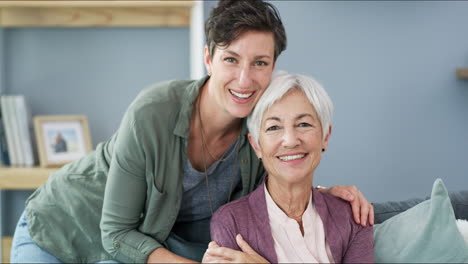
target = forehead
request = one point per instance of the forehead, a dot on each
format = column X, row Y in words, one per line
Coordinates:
column 251, row 43
column 293, row 104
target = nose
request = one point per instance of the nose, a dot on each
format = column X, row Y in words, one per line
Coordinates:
column 290, row 138
column 245, row 78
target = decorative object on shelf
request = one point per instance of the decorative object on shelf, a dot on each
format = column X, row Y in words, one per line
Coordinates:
column 462, row 73
column 15, row 136
column 61, row 139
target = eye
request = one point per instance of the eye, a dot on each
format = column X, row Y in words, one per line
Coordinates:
column 273, row 128
column 261, row 63
column 304, row 124
column 230, row 60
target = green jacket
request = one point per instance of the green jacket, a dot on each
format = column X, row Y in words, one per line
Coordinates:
column 121, row 201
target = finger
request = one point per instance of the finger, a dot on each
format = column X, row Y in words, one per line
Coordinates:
column 353, row 193
column 222, row 261
column 213, row 244
column 371, row 215
column 223, row 252
column 243, row 245
column 356, row 208
column 211, row 259
column 346, row 193
column 365, row 208
column 208, row 258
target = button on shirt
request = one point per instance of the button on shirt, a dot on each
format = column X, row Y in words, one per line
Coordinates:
column 290, row 245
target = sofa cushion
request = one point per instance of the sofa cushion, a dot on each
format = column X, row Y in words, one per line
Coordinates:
column 386, row 210
column 425, row 233
column 463, row 227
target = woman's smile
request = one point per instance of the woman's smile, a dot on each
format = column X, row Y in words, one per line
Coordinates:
column 241, row 97
column 293, row 158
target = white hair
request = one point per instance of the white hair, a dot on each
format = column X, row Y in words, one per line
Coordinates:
column 283, row 82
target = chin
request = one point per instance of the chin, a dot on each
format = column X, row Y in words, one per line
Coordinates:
column 298, row 177
column 241, row 112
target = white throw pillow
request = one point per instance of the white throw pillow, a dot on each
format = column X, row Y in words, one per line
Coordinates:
column 463, row 227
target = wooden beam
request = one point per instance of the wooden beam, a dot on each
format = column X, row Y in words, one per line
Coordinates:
column 462, row 73
column 95, row 17
column 6, row 246
column 164, row 13
column 17, row 178
column 108, row 3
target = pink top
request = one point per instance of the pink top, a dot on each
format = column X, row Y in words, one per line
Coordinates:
column 290, row 245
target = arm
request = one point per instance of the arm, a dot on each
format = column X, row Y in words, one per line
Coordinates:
column 361, row 248
column 223, row 229
column 125, row 198
column 223, row 232
column 217, row 254
column 162, row 255
column 363, row 211
column 228, row 246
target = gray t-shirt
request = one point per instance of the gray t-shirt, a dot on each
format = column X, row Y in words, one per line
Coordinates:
column 195, row 212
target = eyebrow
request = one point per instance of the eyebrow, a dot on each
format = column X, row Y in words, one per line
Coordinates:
column 256, row 57
column 304, row 115
column 274, row 118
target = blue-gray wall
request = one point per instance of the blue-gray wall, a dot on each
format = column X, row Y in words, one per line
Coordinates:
column 96, row 72
column 401, row 116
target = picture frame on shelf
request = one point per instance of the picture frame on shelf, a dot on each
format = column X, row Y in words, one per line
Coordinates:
column 61, row 139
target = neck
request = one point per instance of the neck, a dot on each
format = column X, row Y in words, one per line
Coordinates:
column 216, row 123
column 291, row 198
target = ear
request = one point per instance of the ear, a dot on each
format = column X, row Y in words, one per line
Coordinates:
column 207, row 59
column 255, row 146
column 327, row 138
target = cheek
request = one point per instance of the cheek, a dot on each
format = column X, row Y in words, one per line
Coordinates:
column 266, row 81
column 269, row 146
column 263, row 77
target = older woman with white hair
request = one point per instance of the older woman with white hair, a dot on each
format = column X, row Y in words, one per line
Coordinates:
column 285, row 219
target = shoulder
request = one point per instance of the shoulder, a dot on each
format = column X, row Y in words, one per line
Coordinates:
column 335, row 202
column 339, row 209
column 161, row 96
column 349, row 241
column 160, row 103
column 235, row 211
column 341, row 213
column 166, row 90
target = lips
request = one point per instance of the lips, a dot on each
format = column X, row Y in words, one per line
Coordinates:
column 241, row 97
column 292, row 157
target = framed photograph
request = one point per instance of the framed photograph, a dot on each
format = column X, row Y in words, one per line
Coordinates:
column 61, row 139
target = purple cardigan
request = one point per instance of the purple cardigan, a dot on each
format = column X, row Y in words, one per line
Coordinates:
column 248, row 216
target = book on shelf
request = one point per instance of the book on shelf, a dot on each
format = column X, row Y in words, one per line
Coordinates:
column 6, row 115
column 11, row 103
column 17, row 123
column 23, row 117
column 4, row 156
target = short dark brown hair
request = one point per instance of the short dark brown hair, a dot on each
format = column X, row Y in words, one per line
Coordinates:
column 234, row 17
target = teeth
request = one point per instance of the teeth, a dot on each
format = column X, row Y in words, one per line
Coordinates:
column 292, row 157
column 242, row 96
